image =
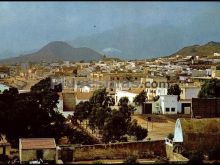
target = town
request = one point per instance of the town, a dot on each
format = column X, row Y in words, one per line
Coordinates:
column 172, row 117
column 109, row 82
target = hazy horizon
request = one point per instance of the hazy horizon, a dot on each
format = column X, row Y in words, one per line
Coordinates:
column 26, row 26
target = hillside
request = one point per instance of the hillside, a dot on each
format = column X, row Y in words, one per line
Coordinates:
column 200, row 50
column 134, row 41
column 55, row 51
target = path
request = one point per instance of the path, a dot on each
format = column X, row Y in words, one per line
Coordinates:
column 156, row 130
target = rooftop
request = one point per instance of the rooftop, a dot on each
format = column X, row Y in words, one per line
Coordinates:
column 37, row 143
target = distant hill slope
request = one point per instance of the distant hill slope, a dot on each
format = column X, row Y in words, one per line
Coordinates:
column 134, row 41
column 200, row 50
column 54, row 51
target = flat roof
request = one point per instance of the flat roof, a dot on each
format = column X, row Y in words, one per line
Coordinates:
column 37, row 143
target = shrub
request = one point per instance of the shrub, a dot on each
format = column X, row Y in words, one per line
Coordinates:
column 170, row 136
column 132, row 159
column 97, row 162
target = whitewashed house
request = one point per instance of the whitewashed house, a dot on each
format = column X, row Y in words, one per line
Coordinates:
column 85, row 89
column 119, row 94
column 161, row 91
column 189, row 92
column 3, row 75
column 168, row 104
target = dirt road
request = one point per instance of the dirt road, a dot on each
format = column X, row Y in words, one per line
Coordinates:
column 156, row 130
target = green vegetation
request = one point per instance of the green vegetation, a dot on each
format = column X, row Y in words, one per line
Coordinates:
column 113, row 125
column 140, row 98
column 210, row 89
column 174, row 90
column 132, row 159
column 204, row 50
column 137, row 131
column 195, row 158
column 97, row 162
column 34, row 114
column 170, row 136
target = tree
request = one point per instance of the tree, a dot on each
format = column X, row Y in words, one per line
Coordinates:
column 100, row 97
column 82, row 110
column 98, row 117
column 31, row 114
column 112, row 124
column 123, row 101
column 140, row 98
column 170, row 136
column 174, row 90
column 136, row 130
column 58, row 87
column 100, row 108
column 210, row 89
column 115, row 127
column 118, row 123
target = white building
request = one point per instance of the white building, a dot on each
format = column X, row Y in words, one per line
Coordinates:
column 119, row 94
column 85, row 89
column 161, row 91
column 168, row 104
column 217, row 54
column 3, row 87
column 189, row 92
column 66, row 63
column 3, row 75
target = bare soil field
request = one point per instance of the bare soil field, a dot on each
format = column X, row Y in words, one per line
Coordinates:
column 158, row 128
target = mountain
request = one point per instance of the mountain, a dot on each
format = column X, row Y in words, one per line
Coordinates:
column 135, row 41
column 207, row 49
column 55, row 51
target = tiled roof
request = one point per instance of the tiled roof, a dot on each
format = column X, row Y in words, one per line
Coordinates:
column 37, row 143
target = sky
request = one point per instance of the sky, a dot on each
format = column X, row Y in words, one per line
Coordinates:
column 30, row 25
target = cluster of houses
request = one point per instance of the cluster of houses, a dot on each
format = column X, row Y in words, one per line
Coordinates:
column 128, row 79
column 166, row 104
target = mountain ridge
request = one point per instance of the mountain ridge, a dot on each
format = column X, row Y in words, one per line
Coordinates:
column 55, row 51
column 207, row 49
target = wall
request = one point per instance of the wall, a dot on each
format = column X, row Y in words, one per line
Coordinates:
column 198, row 73
column 201, row 141
column 69, row 101
column 161, row 91
column 207, row 107
column 120, row 150
column 138, row 110
column 60, row 109
column 48, row 154
column 216, row 73
column 168, row 101
column 7, row 149
column 120, row 94
column 190, row 92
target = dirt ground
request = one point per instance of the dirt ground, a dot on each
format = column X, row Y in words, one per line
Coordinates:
column 158, row 128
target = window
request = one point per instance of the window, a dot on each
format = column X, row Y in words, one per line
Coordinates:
column 167, row 109
column 173, row 109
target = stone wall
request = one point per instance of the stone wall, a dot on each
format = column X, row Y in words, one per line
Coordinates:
column 28, row 155
column 147, row 149
column 206, row 107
